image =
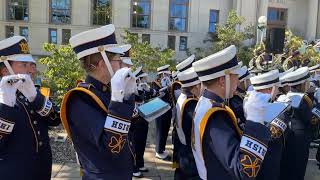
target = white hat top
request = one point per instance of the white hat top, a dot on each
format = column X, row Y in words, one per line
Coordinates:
column 188, row 78
column 265, row 80
column 219, row 64
column 186, row 64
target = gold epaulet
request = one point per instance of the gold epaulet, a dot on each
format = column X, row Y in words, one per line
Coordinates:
column 308, row 100
column 63, row 110
column 45, row 91
column 184, row 105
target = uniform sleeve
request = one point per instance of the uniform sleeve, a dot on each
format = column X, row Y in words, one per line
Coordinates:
column 90, row 123
column 241, row 158
column 47, row 109
column 8, row 119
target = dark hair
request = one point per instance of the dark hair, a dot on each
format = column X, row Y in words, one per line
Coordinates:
column 209, row 82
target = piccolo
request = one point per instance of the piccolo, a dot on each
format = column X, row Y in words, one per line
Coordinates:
column 12, row 81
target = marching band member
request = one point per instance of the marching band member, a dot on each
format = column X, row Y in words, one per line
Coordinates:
column 139, row 126
column 220, row 148
column 97, row 119
column 298, row 139
column 236, row 102
column 126, row 60
column 162, row 85
column 268, row 83
column 25, row 116
column 185, row 107
column 175, row 93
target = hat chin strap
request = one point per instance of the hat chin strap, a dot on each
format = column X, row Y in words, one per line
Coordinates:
column 227, row 88
column 245, row 84
column 8, row 66
column 107, row 62
column 273, row 92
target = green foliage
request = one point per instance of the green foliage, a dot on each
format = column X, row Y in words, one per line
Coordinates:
column 143, row 54
column 62, row 69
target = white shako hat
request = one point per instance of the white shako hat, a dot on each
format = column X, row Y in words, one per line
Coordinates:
column 298, row 76
column 314, row 68
column 186, row 64
column 98, row 40
column 265, row 80
column 163, row 69
column 282, row 76
column 126, row 58
column 244, row 73
column 139, row 73
column 188, row 78
column 175, row 74
column 222, row 63
column 14, row 49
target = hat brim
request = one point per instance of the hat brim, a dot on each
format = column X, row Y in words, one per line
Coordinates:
column 236, row 70
column 21, row 58
column 164, row 72
column 142, row 75
column 118, row 49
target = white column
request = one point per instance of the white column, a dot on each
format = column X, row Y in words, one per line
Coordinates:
column 311, row 29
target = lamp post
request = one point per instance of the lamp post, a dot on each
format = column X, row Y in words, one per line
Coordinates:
column 262, row 25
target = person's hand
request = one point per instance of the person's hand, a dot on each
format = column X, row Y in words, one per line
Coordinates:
column 27, row 88
column 122, row 85
column 255, row 106
column 8, row 89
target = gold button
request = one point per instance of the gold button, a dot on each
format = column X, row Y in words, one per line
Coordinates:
column 40, row 143
column 100, row 48
column 38, row 132
column 35, row 122
column 227, row 72
column 3, row 58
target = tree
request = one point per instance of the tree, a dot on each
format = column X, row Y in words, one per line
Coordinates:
column 143, row 54
column 62, row 69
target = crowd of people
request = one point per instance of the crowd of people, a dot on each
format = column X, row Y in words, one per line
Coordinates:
column 224, row 126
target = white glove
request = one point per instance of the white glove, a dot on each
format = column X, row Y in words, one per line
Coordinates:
column 255, row 106
column 131, row 86
column 8, row 90
column 317, row 95
column 120, row 85
column 27, row 88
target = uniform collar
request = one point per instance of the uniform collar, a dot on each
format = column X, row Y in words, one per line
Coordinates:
column 97, row 84
column 210, row 95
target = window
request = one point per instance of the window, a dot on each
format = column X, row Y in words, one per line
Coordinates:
column 146, row 38
column 140, row 15
column 66, row 35
column 24, row 31
column 213, row 20
column 18, row 10
column 178, row 16
column 60, row 11
column 172, row 42
column 183, row 43
column 53, row 36
column 102, row 11
column 277, row 16
column 9, row 31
